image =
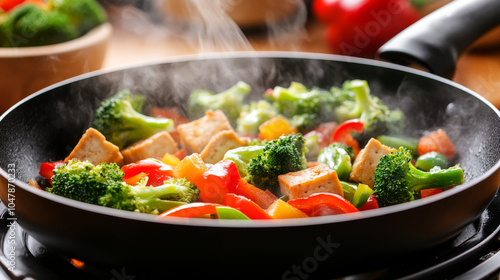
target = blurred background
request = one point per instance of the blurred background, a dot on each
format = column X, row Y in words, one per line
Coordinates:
column 148, row 30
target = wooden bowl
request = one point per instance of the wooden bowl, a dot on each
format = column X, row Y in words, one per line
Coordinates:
column 26, row 70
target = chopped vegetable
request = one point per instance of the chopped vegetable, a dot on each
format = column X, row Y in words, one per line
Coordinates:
column 260, row 197
column 311, row 204
column 436, row 141
column 253, row 115
column 397, row 180
column 47, row 168
column 204, row 210
column 395, row 142
column 280, row 156
column 430, row 160
column 246, row 206
column 103, row 185
column 213, row 172
column 283, row 210
column 242, row 156
column 156, row 171
column 191, row 167
column 229, row 102
column 305, row 108
column 376, row 117
column 339, row 158
column 119, row 121
column 361, row 196
column 274, row 128
column 219, row 180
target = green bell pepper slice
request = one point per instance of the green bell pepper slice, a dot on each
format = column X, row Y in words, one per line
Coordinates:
column 226, row 212
column 430, row 160
column 361, row 195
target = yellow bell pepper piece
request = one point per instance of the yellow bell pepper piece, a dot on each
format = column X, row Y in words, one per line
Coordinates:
column 192, row 167
column 170, row 159
column 279, row 209
column 275, row 127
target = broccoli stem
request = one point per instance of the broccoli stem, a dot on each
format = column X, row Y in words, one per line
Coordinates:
column 419, row 180
column 151, row 124
column 163, row 191
column 362, row 94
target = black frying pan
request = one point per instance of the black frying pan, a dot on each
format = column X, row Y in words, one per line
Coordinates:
column 46, row 125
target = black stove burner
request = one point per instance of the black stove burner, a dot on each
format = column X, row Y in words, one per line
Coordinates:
column 474, row 254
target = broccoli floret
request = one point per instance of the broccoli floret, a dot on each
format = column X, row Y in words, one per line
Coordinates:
column 229, row 102
column 148, row 199
column 242, row 157
column 103, row 185
column 83, row 181
column 313, row 146
column 304, row 122
column 253, row 115
column 122, row 125
column 306, row 108
column 376, row 116
column 279, row 156
column 397, row 180
column 83, row 14
column 30, row 25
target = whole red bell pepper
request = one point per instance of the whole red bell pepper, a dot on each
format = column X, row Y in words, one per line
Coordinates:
column 361, row 27
column 336, row 204
column 219, row 180
column 156, row 171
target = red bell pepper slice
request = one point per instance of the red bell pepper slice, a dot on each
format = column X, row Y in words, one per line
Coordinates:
column 430, row 192
column 47, row 168
column 370, row 204
column 343, row 133
column 156, row 171
column 324, row 132
column 246, row 206
column 219, row 180
column 436, row 141
column 261, row 197
column 191, row 210
column 337, row 203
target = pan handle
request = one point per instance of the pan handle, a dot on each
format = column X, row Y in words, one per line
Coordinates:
column 437, row 40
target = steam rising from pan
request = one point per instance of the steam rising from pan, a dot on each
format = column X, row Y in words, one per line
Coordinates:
column 210, row 28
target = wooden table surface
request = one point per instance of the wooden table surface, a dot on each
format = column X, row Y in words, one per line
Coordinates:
column 136, row 39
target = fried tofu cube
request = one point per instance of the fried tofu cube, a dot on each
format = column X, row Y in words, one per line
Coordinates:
column 93, row 147
column 303, row 183
column 195, row 135
column 153, row 147
column 222, row 142
column 363, row 168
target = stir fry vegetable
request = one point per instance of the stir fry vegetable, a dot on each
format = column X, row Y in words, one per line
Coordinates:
column 258, row 164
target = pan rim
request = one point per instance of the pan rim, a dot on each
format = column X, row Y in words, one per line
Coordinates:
column 255, row 223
